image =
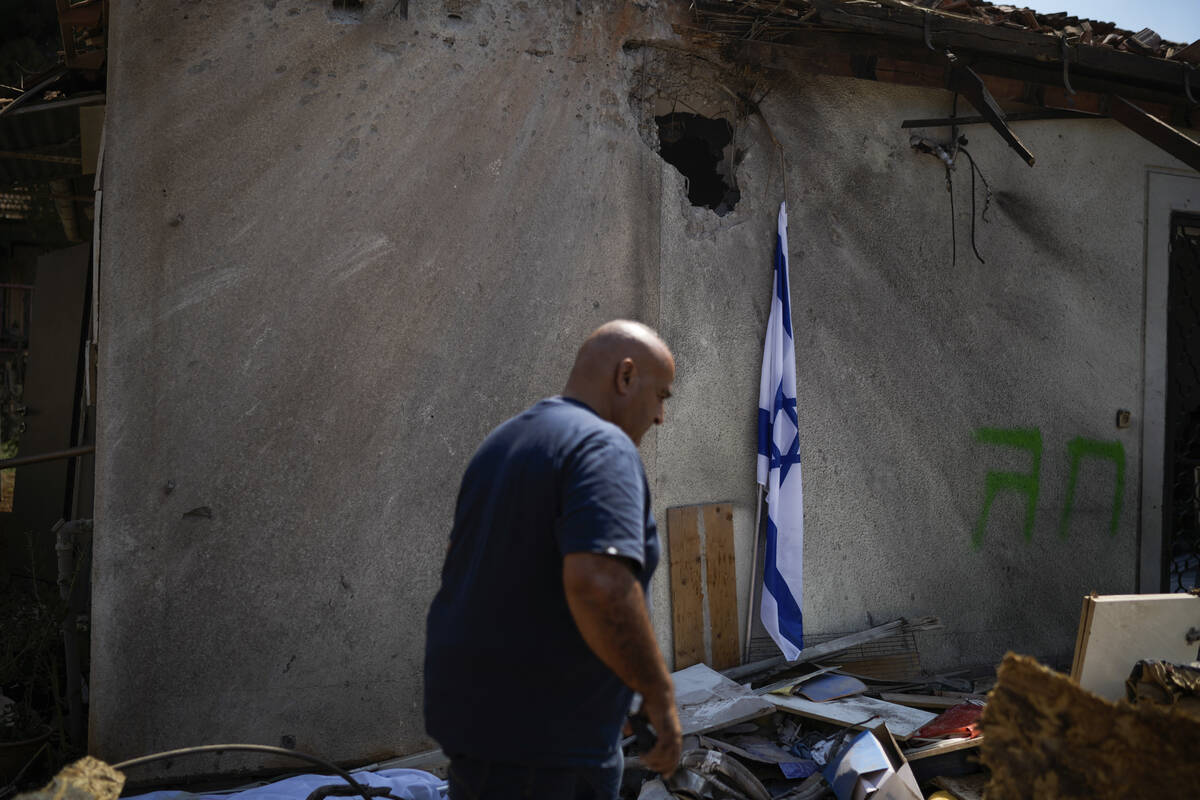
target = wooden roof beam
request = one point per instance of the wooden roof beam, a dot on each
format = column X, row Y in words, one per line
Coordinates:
column 1155, row 131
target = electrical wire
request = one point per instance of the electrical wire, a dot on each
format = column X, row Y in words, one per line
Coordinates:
column 253, row 748
column 986, row 203
column 953, row 234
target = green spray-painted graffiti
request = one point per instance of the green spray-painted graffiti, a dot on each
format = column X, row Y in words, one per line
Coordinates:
column 1026, row 483
column 1080, row 448
column 1029, row 483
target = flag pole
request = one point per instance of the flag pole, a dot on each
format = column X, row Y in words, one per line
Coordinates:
column 758, row 504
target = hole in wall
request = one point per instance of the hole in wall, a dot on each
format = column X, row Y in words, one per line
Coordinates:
column 346, row 11
column 701, row 149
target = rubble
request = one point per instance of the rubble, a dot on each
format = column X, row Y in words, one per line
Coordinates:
column 1026, row 732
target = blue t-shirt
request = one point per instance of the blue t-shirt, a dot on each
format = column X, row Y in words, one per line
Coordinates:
column 508, row 677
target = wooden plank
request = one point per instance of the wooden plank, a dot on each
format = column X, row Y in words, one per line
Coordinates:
column 815, row 52
column 1085, row 625
column 920, row 700
column 942, row 748
column 721, row 577
column 1125, row 628
column 687, row 609
column 1157, row 132
column 857, row 712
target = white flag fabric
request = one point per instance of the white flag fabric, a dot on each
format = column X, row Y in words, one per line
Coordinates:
column 779, row 465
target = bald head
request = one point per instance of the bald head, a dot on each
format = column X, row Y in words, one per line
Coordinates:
column 624, row 372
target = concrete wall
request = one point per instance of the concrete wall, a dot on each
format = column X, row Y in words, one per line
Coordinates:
column 337, row 252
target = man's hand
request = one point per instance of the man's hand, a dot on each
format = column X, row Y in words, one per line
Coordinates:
column 664, row 756
column 609, row 607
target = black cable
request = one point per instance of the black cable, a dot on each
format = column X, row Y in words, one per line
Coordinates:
column 953, row 236
column 254, row 748
column 987, row 200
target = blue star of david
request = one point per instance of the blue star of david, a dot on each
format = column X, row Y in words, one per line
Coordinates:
column 784, row 461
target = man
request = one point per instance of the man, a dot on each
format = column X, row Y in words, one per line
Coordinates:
column 540, row 633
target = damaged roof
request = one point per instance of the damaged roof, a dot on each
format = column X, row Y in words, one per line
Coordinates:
column 1077, row 30
column 772, row 19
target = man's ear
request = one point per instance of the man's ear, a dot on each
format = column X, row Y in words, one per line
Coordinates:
column 626, row 372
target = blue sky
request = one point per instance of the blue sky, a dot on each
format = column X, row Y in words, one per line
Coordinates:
column 1174, row 20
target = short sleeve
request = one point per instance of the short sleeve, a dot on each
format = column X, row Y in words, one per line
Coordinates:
column 603, row 503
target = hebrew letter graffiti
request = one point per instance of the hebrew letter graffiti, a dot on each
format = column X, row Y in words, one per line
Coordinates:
column 1080, row 448
column 1026, row 483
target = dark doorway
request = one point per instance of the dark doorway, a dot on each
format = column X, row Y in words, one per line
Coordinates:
column 1181, row 489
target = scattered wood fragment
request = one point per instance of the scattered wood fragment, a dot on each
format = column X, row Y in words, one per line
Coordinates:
column 856, row 712
column 920, row 700
column 942, row 748
column 1047, row 737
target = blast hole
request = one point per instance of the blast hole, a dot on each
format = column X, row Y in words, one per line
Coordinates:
column 346, row 11
column 700, row 148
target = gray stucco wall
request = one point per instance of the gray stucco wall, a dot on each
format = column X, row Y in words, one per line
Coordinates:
column 335, row 255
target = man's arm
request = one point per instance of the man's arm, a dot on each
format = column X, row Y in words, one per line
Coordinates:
column 609, row 607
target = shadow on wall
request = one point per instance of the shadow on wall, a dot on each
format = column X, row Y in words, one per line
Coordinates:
column 1034, row 221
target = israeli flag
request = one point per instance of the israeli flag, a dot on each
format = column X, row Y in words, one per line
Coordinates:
column 779, row 465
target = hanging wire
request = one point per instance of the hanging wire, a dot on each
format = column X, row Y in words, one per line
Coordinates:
column 987, row 200
column 953, row 234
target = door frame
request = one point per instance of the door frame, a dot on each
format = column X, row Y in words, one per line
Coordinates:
column 1167, row 192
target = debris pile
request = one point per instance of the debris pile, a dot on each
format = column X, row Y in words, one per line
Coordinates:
column 829, row 725
column 804, row 729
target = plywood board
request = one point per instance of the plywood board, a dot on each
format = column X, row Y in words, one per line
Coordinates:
column 920, row 700
column 721, row 578
column 857, row 712
column 687, row 609
column 708, row 701
column 1116, row 631
column 941, row 748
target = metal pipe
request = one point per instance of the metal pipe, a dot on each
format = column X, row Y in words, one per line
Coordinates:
column 57, row 455
column 758, row 502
